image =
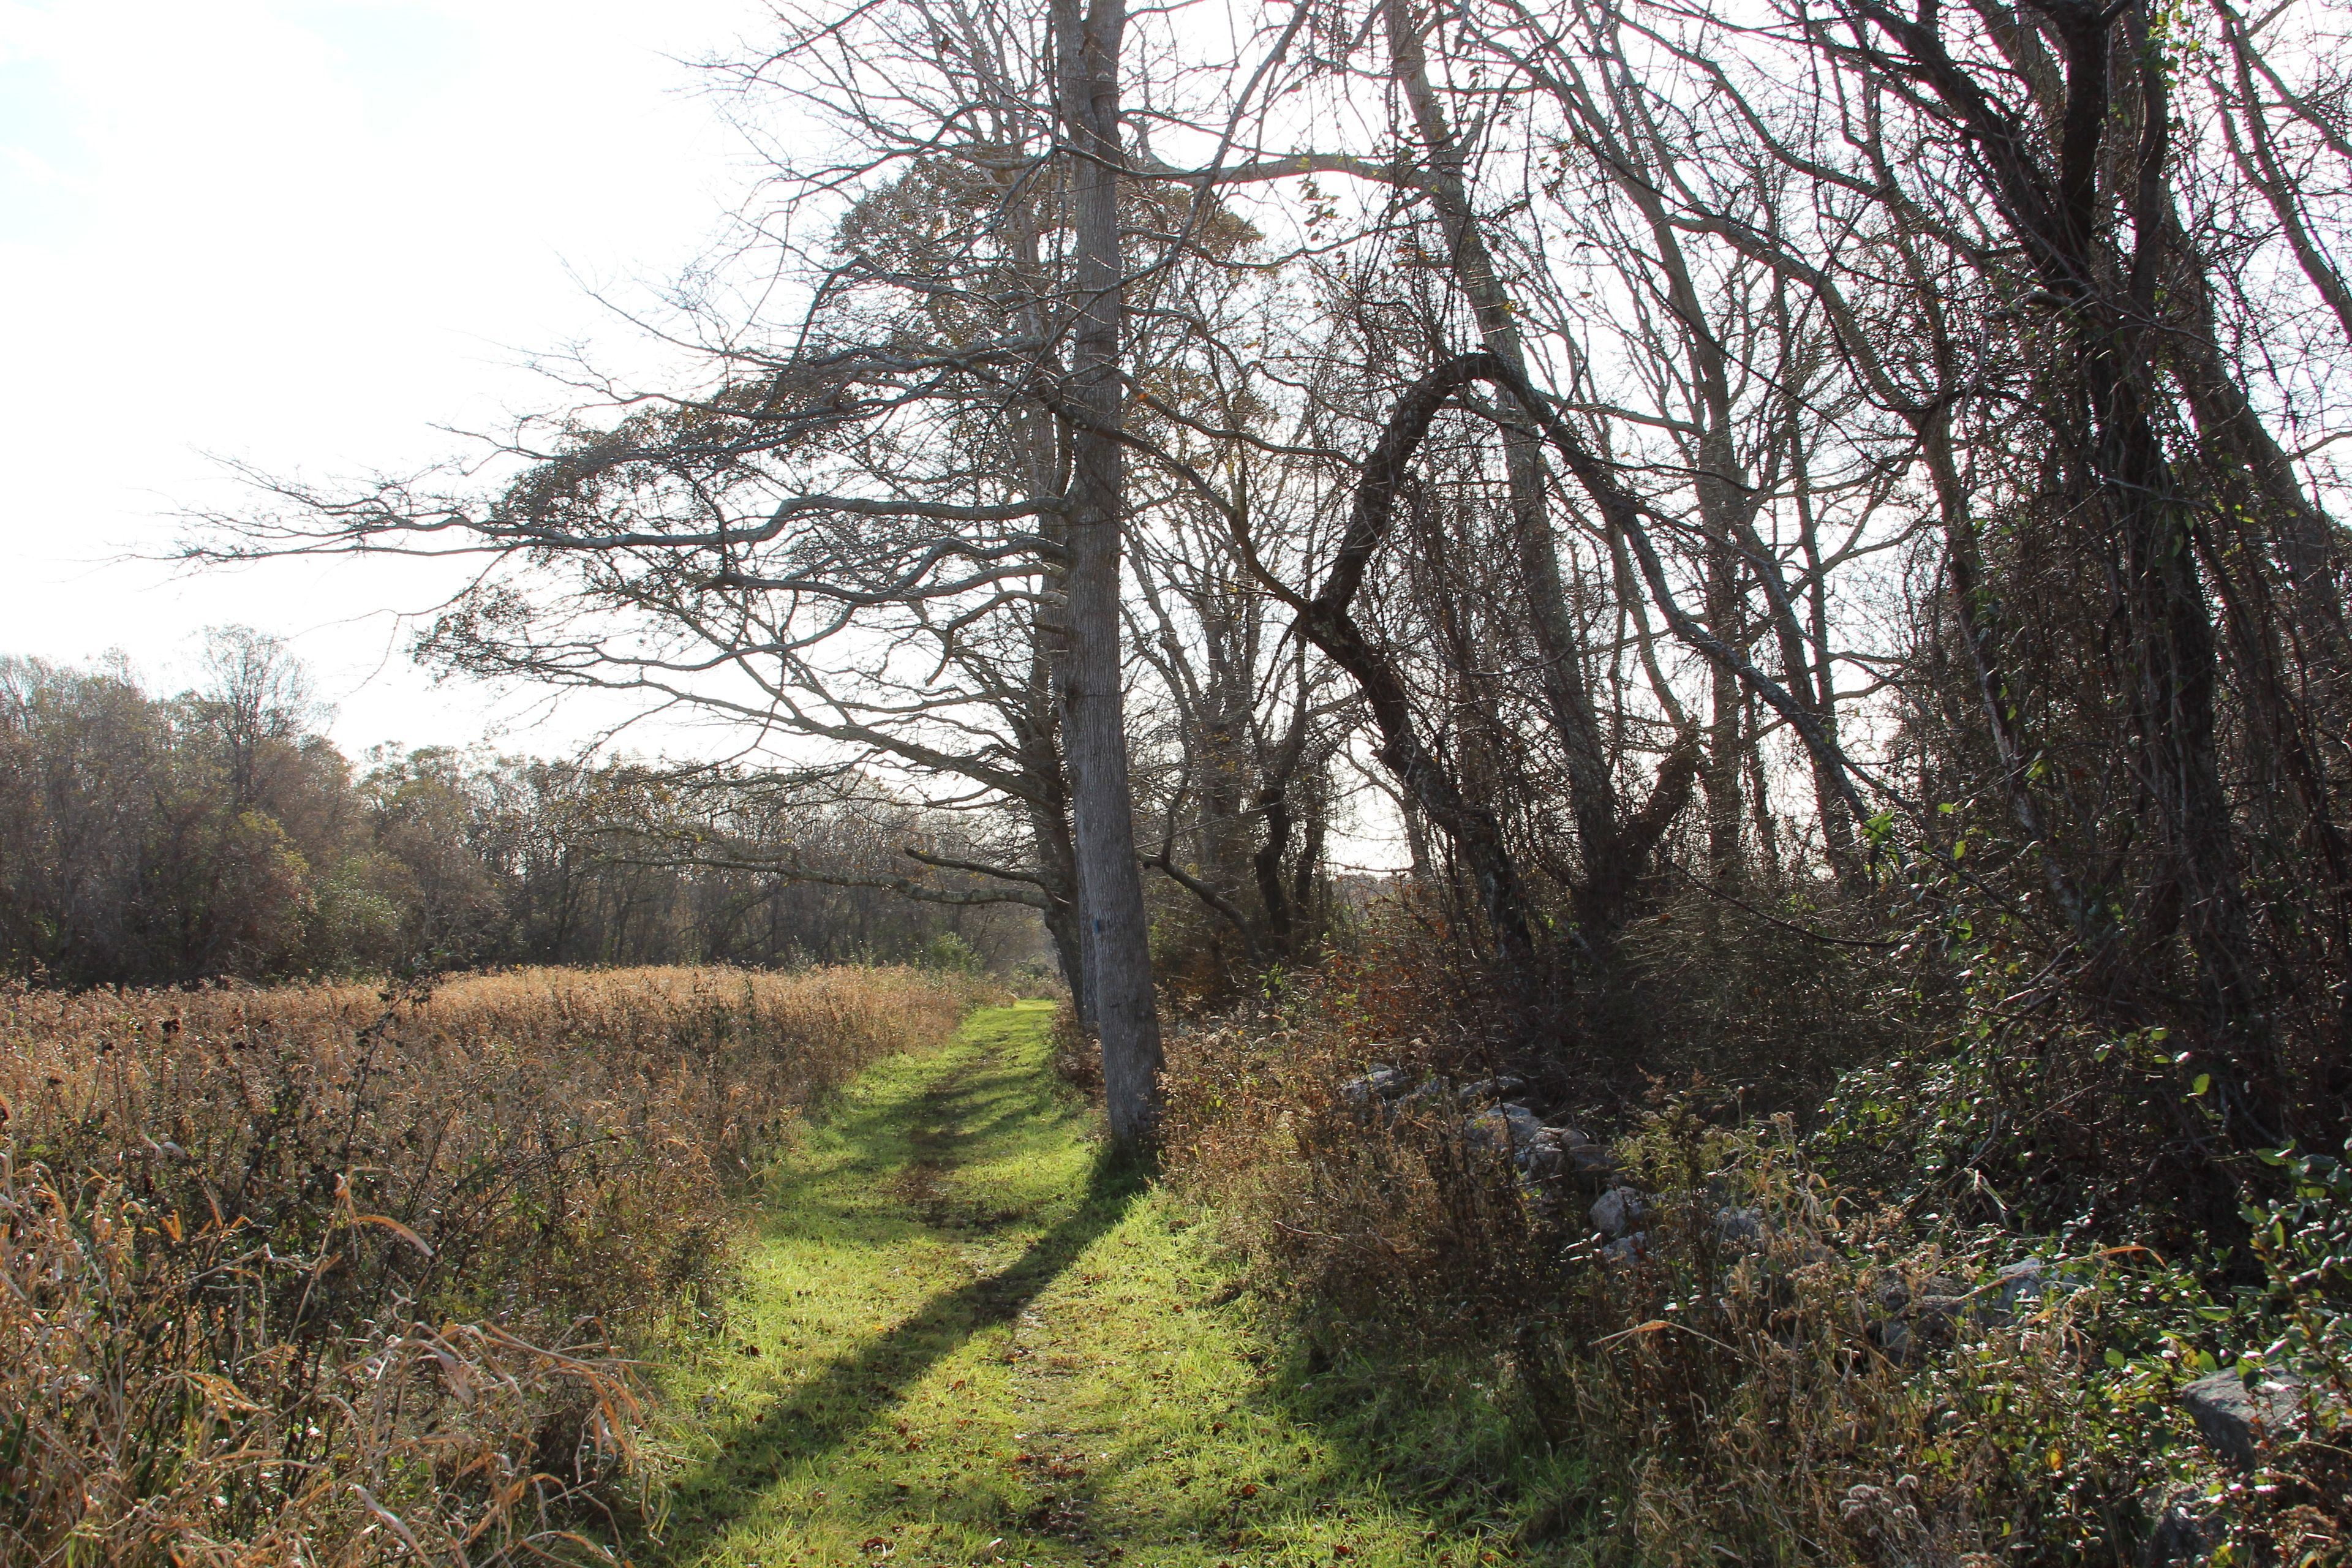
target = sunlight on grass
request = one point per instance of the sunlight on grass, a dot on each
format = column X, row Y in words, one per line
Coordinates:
column 966, row 1337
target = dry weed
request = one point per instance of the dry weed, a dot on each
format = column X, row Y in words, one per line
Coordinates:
column 328, row 1275
column 1077, row 1057
column 1776, row 1368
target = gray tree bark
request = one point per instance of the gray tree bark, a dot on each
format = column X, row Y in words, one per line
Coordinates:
column 1110, row 883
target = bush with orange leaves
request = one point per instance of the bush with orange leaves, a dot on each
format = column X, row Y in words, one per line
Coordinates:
column 328, row 1275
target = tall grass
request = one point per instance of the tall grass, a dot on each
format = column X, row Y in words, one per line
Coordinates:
column 329, row 1275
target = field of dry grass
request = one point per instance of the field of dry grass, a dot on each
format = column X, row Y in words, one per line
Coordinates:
column 329, row 1274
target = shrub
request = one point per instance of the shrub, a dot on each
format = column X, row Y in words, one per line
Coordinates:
column 1077, row 1057
column 1784, row 1366
column 1389, row 1223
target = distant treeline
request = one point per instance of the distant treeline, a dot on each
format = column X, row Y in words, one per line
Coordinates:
column 155, row 840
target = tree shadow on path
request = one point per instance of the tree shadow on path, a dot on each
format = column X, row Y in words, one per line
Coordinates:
column 831, row 1407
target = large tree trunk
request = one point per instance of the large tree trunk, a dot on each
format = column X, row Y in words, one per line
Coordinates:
column 1094, row 730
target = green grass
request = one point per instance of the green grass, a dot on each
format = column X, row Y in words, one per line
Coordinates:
column 965, row 1336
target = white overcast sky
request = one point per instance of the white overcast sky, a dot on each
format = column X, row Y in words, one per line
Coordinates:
column 304, row 234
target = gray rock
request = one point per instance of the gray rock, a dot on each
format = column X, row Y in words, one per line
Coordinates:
column 2179, row 1530
column 1504, row 1129
column 1525, row 1128
column 1588, row 1158
column 2239, row 1421
column 1564, row 1151
column 1735, row 1226
column 1486, row 1090
column 1488, row 1130
column 1626, row 1248
column 2012, row 1293
column 1377, row 1084
column 2019, row 1285
column 1928, row 1313
column 1617, row 1212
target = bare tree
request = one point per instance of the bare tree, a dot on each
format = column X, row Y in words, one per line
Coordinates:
column 896, row 524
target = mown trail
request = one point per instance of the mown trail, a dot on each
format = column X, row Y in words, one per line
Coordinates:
column 961, row 1341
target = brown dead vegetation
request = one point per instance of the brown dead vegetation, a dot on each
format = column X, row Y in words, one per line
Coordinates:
column 1788, row 1361
column 329, row 1275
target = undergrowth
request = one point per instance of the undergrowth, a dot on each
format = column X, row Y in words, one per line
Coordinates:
column 1785, row 1362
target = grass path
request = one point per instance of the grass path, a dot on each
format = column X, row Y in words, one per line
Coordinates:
column 961, row 1338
